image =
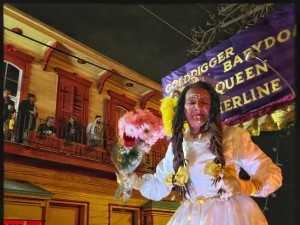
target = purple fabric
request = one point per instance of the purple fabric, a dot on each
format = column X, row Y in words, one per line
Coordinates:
column 259, row 112
column 255, row 85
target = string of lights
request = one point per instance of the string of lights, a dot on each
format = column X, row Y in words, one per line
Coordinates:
column 168, row 24
column 79, row 60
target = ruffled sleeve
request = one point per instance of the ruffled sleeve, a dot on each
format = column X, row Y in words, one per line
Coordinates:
column 261, row 169
column 154, row 186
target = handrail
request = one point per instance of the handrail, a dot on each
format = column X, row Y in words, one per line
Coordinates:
column 89, row 146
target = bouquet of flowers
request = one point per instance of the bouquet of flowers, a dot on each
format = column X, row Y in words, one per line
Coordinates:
column 138, row 131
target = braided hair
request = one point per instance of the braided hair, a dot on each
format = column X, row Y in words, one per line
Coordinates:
column 213, row 125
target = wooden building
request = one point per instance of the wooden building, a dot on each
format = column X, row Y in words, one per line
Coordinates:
column 47, row 182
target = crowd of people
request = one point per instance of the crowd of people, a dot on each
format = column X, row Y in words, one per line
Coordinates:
column 17, row 124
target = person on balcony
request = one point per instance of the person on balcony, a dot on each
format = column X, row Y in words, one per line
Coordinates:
column 72, row 131
column 93, row 132
column 8, row 113
column 47, row 128
column 202, row 163
column 27, row 114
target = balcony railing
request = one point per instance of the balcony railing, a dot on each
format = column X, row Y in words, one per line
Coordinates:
column 78, row 144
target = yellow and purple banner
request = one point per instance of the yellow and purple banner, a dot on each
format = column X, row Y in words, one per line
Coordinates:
column 247, row 88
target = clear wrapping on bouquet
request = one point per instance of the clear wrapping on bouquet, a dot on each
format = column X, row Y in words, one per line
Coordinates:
column 138, row 131
column 126, row 161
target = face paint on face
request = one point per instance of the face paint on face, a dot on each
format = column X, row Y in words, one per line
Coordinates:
column 197, row 108
column 192, row 100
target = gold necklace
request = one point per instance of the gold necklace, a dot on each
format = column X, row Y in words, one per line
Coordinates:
column 193, row 136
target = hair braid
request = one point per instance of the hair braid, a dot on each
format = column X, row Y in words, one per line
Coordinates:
column 216, row 142
column 177, row 139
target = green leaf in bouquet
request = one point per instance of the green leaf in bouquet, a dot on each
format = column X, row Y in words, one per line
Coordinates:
column 126, row 160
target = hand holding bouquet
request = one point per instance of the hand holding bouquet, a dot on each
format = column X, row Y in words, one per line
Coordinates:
column 138, row 131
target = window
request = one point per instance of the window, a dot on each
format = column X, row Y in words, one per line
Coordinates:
column 22, row 61
column 116, row 107
column 72, row 99
column 66, row 212
column 120, row 111
column 12, row 78
column 125, row 215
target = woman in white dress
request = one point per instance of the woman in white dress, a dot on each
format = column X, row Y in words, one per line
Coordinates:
column 202, row 163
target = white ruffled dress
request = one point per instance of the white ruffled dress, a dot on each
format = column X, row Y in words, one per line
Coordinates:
column 238, row 209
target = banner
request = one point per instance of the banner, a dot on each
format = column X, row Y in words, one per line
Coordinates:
column 246, row 86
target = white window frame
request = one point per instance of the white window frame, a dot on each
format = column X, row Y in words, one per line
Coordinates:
column 16, row 98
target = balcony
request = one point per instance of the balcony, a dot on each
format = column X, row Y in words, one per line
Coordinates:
column 35, row 148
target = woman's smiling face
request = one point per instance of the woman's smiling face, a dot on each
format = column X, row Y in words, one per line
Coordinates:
column 197, row 108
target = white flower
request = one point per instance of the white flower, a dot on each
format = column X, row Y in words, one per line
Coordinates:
column 142, row 146
column 131, row 130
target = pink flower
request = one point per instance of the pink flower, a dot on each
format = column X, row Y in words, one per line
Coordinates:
column 140, row 124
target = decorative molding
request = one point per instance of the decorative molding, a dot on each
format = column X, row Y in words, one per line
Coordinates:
column 146, row 97
column 16, row 197
column 48, row 54
column 11, row 50
column 155, row 112
column 122, row 98
column 73, row 76
column 102, row 80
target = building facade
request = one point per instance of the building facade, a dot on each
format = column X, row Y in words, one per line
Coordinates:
column 48, row 180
